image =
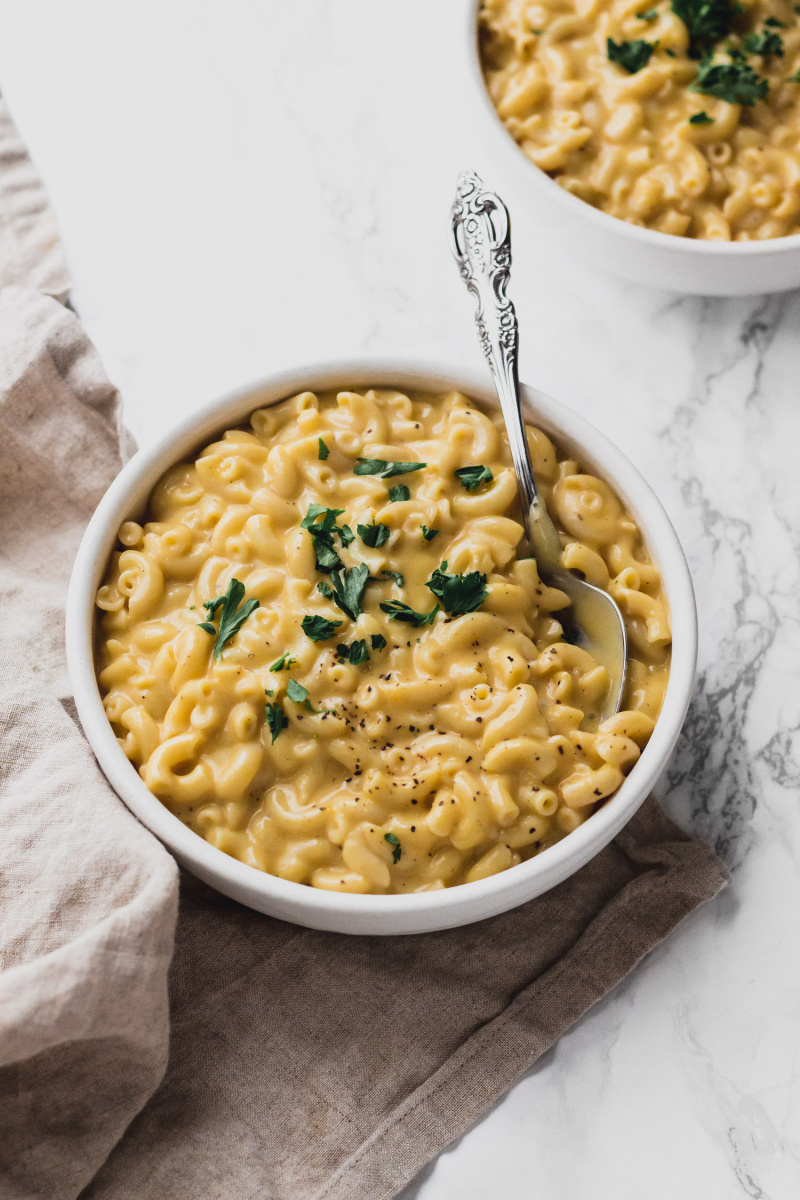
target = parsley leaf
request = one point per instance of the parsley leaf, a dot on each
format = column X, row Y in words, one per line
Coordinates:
column 378, row 641
column 284, row 663
column 328, row 522
column 403, row 612
column 764, row 43
column 471, row 478
column 322, row 532
column 400, row 492
column 319, row 629
column 356, row 653
column 323, row 450
column 394, row 842
column 299, row 695
column 650, row 15
column 386, row 470
column 794, row 78
column 399, row 579
column 459, row 594
column 276, row 719
column 708, row 22
column 632, row 56
column 732, row 82
column 348, row 588
column 326, row 557
column 701, row 118
column 775, row 22
column 296, row 692
column 347, row 535
column 373, row 535
column 429, row 534
column 232, row 618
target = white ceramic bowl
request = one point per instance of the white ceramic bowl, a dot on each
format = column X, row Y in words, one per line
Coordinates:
column 659, row 259
column 127, row 498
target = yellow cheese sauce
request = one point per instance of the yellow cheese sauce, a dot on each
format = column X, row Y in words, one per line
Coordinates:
column 322, row 654
column 638, row 140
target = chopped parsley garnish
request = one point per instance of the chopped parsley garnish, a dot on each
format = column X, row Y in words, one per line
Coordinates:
column 296, row 692
column 276, row 719
column 299, row 695
column 348, row 588
column 632, row 56
column 403, row 612
column 394, row 842
column 284, row 663
column 231, row 618
column 650, row 15
column 323, row 450
column 775, row 23
column 399, row 579
column 319, row 629
column 459, row 594
column 472, row 478
column 373, row 535
column 429, row 534
column 322, row 531
column 701, row 118
column 708, row 22
column 347, row 535
column 386, row 470
column 356, row 653
column 764, row 44
column 794, row 78
column 328, row 522
column 378, row 641
column 326, row 589
column 732, row 82
column 400, row 492
column 671, row 53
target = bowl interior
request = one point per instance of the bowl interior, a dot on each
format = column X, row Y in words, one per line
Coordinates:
column 127, row 499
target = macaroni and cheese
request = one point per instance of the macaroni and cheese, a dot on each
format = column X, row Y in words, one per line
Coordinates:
column 678, row 115
column 322, row 652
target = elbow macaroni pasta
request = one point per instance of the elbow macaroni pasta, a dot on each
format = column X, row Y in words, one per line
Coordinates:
column 623, row 142
column 457, row 749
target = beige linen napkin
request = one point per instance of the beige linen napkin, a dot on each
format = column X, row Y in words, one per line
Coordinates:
column 302, row 1065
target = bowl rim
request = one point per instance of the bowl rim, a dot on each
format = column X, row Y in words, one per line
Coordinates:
column 603, row 221
column 126, row 497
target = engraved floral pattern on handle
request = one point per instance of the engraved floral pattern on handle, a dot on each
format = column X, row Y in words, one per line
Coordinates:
column 481, row 230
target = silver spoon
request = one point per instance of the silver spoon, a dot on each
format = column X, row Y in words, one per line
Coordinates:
column 482, row 247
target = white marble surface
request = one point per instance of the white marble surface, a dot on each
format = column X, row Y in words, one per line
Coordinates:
column 245, row 185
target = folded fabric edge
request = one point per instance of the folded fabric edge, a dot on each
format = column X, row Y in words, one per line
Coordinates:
column 682, row 875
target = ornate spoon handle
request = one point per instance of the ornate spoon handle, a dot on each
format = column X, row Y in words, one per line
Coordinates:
column 482, row 247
